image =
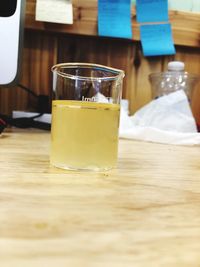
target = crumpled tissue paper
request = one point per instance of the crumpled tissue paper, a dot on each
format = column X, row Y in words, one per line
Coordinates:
column 166, row 120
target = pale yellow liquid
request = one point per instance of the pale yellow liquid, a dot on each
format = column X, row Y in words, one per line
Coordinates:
column 84, row 135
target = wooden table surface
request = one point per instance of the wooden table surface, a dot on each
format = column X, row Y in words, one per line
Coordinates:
column 145, row 213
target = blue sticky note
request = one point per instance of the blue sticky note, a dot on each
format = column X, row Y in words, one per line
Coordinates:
column 152, row 10
column 157, row 39
column 114, row 18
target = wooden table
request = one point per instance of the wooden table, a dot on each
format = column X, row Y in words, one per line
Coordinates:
column 144, row 213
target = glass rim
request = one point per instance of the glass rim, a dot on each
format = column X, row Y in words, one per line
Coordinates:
column 119, row 73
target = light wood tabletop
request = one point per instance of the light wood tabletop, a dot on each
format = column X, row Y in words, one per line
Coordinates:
column 144, row 213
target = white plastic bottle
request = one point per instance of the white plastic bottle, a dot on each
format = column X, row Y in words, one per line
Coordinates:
column 175, row 78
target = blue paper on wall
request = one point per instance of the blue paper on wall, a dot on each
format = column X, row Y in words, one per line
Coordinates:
column 152, row 10
column 114, row 18
column 157, row 39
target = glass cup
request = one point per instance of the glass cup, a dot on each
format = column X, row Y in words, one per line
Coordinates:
column 85, row 116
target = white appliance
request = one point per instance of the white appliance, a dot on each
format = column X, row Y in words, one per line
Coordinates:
column 11, row 33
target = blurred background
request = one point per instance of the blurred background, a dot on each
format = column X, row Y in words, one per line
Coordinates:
column 46, row 44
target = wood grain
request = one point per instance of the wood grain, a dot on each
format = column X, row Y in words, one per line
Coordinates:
column 143, row 213
column 42, row 50
column 39, row 54
column 85, row 22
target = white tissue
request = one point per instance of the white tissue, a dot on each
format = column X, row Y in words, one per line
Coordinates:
column 167, row 120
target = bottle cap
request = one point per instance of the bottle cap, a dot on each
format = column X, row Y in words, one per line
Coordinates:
column 176, row 66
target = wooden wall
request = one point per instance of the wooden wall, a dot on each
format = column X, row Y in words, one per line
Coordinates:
column 42, row 49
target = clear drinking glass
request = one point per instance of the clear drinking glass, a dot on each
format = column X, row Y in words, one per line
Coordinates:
column 85, row 116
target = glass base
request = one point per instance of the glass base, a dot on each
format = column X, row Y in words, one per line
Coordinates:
column 89, row 168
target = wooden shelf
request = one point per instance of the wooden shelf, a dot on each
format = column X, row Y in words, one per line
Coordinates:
column 186, row 26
